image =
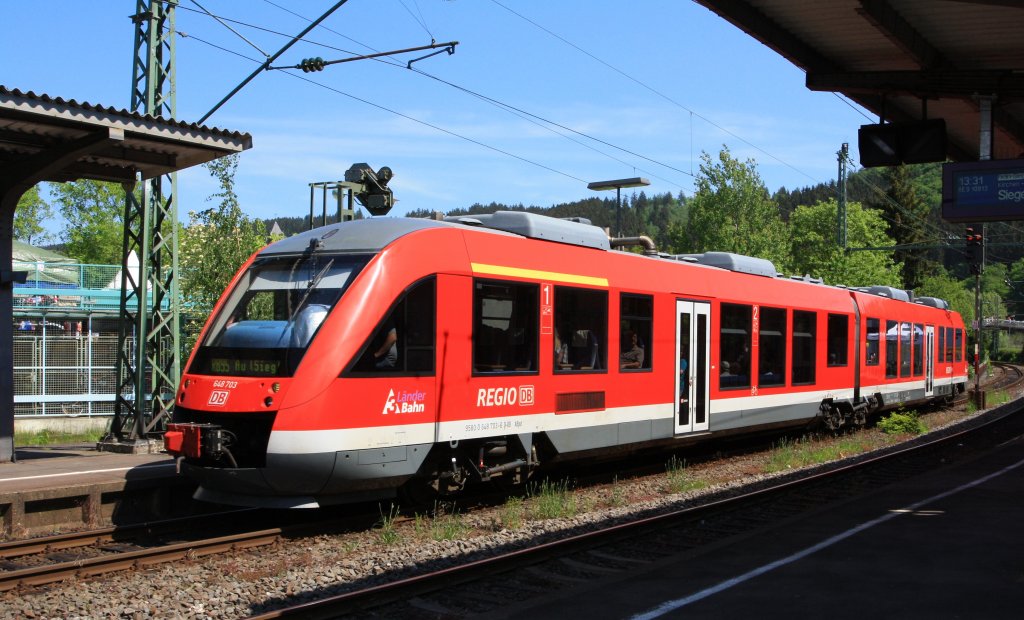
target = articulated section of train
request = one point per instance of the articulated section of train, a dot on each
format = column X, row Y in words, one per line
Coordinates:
column 346, row 362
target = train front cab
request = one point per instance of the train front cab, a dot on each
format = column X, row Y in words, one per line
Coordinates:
column 286, row 400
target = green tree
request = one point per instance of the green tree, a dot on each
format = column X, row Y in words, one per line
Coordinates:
column 216, row 242
column 908, row 215
column 93, row 213
column 732, row 211
column 944, row 286
column 32, row 210
column 815, row 251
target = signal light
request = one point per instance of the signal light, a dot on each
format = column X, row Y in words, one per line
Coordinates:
column 975, row 250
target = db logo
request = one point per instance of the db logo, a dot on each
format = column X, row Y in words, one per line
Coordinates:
column 218, row 398
column 525, row 395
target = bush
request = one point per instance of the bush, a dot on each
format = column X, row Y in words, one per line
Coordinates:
column 902, row 423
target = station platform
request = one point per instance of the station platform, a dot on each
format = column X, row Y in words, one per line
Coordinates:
column 49, row 489
column 946, row 544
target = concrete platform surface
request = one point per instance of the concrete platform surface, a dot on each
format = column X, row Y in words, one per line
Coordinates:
column 948, row 544
column 53, row 489
column 44, row 467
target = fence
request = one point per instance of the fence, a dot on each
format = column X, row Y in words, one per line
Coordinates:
column 70, row 287
column 65, row 339
column 66, row 368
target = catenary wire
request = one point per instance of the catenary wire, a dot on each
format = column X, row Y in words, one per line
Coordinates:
column 543, row 122
column 405, row 116
column 654, row 90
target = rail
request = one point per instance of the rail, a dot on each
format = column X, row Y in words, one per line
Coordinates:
column 719, row 518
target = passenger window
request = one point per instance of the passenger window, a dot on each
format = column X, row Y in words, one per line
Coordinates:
column 942, row 345
column 904, row 349
column 734, row 345
column 805, row 336
column 771, row 342
column 959, row 348
column 918, row 337
column 403, row 342
column 636, row 317
column 838, row 339
column 892, row 349
column 581, row 329
column 949, row 344
column 505, row 316
column 872, row 345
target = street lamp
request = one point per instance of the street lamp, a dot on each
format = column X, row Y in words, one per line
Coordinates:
column 617, row 186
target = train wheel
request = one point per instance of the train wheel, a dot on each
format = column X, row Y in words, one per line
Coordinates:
column 418, row 493
column 831, row 416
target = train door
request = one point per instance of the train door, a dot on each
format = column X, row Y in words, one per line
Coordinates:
column 929, row 360
column 693, row 341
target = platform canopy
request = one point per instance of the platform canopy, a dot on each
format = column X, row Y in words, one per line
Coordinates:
column 37, row 128
column 51, row 139
column 904, row 59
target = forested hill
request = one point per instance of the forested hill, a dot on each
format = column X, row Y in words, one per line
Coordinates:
column 641, row 214
column 657, row 216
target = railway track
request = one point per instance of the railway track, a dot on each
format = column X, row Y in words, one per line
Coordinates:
column 51, row 559
column 496, row 584
column 48, row 559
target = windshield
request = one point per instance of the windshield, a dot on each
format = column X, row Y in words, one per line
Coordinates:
column 271, row 316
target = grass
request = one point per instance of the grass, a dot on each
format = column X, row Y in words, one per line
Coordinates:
column 999, row 397
column 552, row 500
column 443, row 524
column 616, row 495
column 513, row 513
column 52, row 438
column 793, row 454
column 387, row 532
column 678, row 480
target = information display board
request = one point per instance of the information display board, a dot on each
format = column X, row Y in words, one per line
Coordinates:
column 983, row 191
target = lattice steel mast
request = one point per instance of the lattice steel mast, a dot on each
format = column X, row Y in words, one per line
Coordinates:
column 148, row 364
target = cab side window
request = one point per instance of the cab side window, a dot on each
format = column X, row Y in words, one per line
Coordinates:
column 581, row 329
column 403, row 342
column 505, row 318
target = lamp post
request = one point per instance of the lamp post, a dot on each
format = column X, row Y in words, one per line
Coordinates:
column 617, row 186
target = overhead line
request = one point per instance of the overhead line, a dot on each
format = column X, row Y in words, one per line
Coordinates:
column 655, row 91
column 473, row 93
column 406, row 116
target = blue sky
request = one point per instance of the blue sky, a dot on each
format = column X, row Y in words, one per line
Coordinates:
column 656, row 83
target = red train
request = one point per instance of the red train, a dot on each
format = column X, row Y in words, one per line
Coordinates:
column 356, row 358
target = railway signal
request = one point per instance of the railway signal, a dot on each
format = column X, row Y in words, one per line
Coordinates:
column 975, row 251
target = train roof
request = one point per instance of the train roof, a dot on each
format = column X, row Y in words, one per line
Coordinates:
column 373, row 234
column 573, row 231
column 369, row 235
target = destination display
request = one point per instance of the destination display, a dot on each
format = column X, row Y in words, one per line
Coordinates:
column 244, row 367
column 983, row 191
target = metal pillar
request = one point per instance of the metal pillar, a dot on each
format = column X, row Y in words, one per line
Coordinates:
column 148, row 366
column 844, row 154
column 984, row 154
